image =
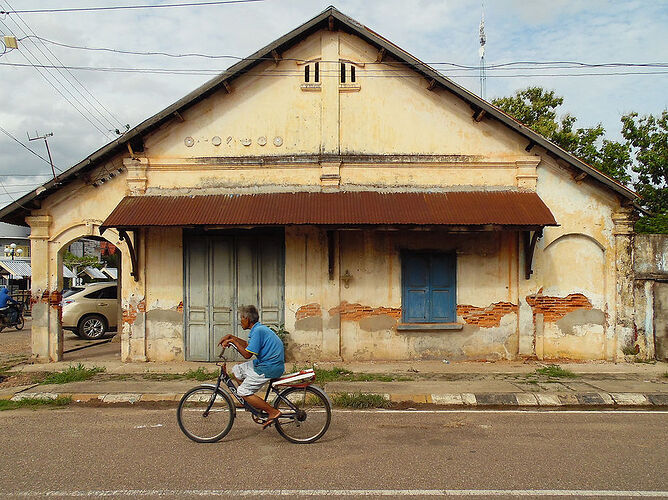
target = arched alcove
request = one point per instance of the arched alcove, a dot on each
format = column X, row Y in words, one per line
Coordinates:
column 575, row 262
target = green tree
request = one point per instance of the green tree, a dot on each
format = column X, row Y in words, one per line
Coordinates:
column 536, row 108
column 648, row 138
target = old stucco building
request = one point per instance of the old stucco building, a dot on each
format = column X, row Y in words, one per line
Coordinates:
column 369, row 204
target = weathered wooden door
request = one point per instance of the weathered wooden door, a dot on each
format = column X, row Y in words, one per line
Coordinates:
column 222, row 272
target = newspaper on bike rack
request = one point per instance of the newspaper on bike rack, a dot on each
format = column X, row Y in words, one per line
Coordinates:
column 299, row 377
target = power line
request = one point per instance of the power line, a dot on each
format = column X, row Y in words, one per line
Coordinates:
column 113, row 117
column 38, row 66
column 125, row 7
column 26, row 147
column 324, row 73
column 566, row 64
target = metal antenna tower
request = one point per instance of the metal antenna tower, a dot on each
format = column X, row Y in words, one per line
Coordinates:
column 37, row 136
column 483, row 41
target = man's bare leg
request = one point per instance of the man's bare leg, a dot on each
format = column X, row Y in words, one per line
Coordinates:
column 261, row 404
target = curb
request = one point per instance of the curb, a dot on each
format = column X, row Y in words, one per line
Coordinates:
column 454, row 400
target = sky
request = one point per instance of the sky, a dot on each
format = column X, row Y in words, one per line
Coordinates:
column 434, row 31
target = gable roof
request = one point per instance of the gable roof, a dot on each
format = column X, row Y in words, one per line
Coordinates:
column 329, row 18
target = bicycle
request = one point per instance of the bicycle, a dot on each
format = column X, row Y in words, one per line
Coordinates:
column 206, row 412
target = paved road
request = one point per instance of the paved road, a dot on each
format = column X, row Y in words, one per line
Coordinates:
column 122, row 451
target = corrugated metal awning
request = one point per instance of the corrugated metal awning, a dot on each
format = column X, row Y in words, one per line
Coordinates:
column 16, row 268
column 94, row 273
column 510, row 208
column 112, row 272
column 67, row 273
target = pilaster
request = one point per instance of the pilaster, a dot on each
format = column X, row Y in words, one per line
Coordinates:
column 623, row 220
column 46, row 332
column 136, row 179
column 329, row 68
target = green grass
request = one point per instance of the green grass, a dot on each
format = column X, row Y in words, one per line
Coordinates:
column 555, row 371
column 72, row 374
column 201, row 374
column 665, row 375
column 359, row 400
column 34, row 403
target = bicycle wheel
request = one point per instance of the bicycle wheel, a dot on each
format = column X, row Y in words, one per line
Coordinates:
column 311, row 420
column 201, row 425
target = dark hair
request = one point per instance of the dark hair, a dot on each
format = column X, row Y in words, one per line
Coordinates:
column 250, row 313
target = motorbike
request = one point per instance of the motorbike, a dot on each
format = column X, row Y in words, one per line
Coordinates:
column 17, row 320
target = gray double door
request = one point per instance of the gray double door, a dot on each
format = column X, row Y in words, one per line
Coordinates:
column 222, row 272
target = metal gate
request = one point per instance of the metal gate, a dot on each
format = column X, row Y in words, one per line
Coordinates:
column 222, row 272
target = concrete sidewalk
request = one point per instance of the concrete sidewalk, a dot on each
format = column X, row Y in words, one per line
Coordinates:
column 456, row 385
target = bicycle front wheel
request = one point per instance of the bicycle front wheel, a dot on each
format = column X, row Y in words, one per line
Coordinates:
column 205, row 415
column 308, row 420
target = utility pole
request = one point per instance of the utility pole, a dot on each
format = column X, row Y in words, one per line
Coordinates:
column 37, row 136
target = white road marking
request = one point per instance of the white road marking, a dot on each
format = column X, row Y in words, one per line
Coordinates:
column 661, row 412
column 147, row 426
column 339, row 493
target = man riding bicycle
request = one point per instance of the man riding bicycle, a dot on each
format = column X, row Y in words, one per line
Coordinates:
column 269, row 360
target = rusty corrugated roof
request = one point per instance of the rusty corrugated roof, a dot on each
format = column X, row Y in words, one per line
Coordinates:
column 339, row 208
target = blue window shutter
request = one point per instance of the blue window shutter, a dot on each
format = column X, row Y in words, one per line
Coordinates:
column 416, row 288
column 442, row 278
column 428, row 288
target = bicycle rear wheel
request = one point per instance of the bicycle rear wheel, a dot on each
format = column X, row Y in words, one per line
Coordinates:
column 311, row 420
column 202, row 421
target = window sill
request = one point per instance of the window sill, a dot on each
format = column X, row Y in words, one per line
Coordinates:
column 429, row 326
column 349, row 87
column 311, row 87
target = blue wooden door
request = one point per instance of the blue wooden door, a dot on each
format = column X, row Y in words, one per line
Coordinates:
column 428, row 287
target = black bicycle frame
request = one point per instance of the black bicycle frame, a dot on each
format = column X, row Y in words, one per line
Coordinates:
column 224, row 377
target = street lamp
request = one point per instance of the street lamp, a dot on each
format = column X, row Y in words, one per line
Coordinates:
column 11, row 251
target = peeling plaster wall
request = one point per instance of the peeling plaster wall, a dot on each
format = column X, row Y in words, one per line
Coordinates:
column 164, row 295
column 368, row 310
column 569, row 307
column 650, row 290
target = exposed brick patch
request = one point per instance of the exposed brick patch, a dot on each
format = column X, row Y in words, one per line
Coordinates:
column 308, row 311
column 179, row 308
column 486, row 317
column 130, row 315
column 555, row 308
column 141, row 307
column 355, row 312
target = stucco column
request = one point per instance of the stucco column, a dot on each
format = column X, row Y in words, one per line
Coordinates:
column 329, row 65
column 623, row 220
column 133, row 303
column 47, row 343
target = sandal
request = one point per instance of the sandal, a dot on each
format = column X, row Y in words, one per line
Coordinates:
column 269, row 422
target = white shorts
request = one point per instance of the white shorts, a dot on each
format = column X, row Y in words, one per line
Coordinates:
column 252, row 380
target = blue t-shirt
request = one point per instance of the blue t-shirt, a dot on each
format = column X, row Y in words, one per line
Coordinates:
column 268, row 349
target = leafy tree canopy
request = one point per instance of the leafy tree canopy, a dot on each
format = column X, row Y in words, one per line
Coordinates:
column 644, row 150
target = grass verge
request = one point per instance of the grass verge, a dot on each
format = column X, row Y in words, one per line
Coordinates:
column 34, row 403
column 77, row 373
column 201, row 374
column 555, row 371
column 359, row 400
column 665, row 375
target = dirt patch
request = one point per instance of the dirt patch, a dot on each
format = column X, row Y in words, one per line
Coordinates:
column 17, row 379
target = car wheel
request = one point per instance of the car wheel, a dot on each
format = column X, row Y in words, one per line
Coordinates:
column 92, row 327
